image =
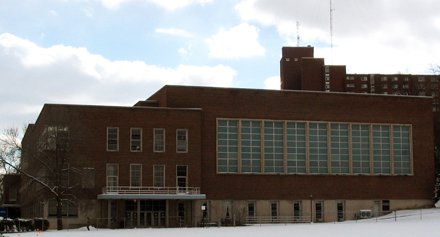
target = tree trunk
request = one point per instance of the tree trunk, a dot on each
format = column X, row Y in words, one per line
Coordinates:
column 59, row 214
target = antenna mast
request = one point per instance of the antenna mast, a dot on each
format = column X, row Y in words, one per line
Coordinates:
column 297, row 34
column 331, row 27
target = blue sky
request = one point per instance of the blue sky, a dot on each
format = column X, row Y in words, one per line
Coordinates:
column 116, row 52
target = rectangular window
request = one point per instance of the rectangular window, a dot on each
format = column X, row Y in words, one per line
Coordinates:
column 251, row 146
column 339, row 148
column 227, row 146
column 274, row 210
column 182, row 140
column 159, row 140
column 112, row 139
column 136, row 139
column 296, row 148
column 112, row 177
column 297, row 210
column 68, row 209
column 273, row 147
column 385, row 206
column 159, row 176
column 381, row 145
column 402, row 150
column 135, row 175
column 182, row 177
column 318, row 148
column 251, row 209
column 340, row 208
column 319, row 211
column 360, row 138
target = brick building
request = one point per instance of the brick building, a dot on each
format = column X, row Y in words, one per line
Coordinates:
column 192, row 155
column 300, row 70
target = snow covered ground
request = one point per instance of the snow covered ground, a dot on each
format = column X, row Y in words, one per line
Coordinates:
column 411, row 223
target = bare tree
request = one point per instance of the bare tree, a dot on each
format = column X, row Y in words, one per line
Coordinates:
column 47, row 164
column 435, row 69
column 10, row 149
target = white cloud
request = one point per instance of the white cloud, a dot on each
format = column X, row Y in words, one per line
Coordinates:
column 169, row 5
column 237, row 42
column 32, row 75
column 368, row 36
column 272, row 83
column 175, row 32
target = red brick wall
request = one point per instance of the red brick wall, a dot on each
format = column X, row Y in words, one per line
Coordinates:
column 88, row 129
column 313, row 106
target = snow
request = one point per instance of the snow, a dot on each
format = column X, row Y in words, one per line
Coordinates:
column 409, row 223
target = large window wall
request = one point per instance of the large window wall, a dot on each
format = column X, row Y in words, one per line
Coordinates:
column 311, row 147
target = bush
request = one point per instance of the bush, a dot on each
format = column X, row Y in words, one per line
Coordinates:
column 41, row 224
column 23, row 224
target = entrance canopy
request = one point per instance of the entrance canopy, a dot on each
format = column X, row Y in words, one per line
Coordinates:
column 151, row 193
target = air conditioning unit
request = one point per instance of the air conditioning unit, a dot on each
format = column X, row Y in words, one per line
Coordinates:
column 364, row 214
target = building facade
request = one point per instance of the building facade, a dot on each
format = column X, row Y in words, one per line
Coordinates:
column 189, row 156
column 300, row 70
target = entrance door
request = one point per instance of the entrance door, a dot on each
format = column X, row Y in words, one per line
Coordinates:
column 154, row 219
column 145, row 213
column 131, row 219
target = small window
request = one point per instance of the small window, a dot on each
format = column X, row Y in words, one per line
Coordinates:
column 135, row 175
column 340, row 211
column 385, row 205
column 159, row 140
column 182, row 140
column 274, row 210
column 112, row 139
column 136, row 139
column 251, row 209
column 68, row 209
column 159, row 176
column 297, row 215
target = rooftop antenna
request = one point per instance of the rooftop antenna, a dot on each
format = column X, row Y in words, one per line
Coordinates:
column 331, row 29
column 297, row 34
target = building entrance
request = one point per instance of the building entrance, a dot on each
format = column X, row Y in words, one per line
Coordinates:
column 145, row 213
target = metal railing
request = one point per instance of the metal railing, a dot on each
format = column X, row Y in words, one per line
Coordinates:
column 150, row 190
column 276, row 219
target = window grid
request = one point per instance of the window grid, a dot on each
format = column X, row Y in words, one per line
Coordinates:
column 182, row 140
column 135, row 175
column 136, row 139
column 295, row 147
column 360, row 140
column 251, row 146
column 339, row 149
column 273, row 147
column 159, row 140
column 227, row 145
column 159, row 176
column 112, row 139
column 318, row 148
column 112, row 176
column 401, row 149
column 381, row 144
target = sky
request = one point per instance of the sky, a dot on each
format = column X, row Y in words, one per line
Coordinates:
column 117, row 52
